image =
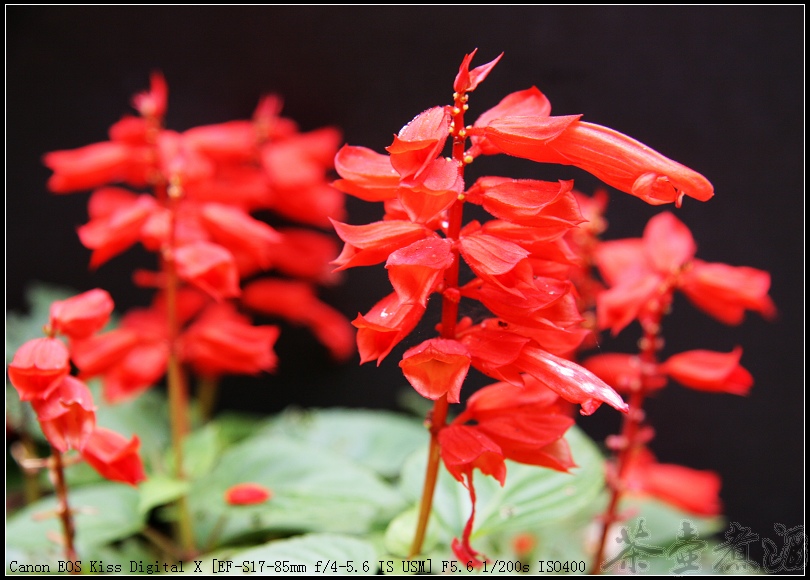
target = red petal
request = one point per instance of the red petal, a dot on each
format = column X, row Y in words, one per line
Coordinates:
column 82, row 315
column 616, row 159
column 415, row 270
column 372, row 243
column 385, row 325
column 114, row 457
column 67, row 415
column 420, row 142
column 706, row 370
column 247, row 494
column 467, row 80
column 668, row 243
column 528, row 103
column 437, row 367
column 38, row 366
column 726, row 292
column 463, row 448
column 571, row 381
column 210, row 267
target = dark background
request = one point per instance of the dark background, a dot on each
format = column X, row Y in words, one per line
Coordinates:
column 719, row 89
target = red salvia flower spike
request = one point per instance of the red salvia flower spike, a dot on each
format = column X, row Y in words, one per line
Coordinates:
column 467, row 80
column 114, row 457
column 38, row 367
column 80, row 316
column 437, row 367
column 67, row 415
column 247, row 494
column 706, row 370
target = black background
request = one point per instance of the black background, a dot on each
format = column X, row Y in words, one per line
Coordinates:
column 719, row 89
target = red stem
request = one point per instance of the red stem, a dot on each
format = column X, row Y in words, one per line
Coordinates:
column 63, row 510
column 438, row 416
column 629, row 440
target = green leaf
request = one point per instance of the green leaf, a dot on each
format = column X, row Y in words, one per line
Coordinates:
column 160, row 490
column 103, row 513
column 379, row 440
column 313, row 490
column 310, row 554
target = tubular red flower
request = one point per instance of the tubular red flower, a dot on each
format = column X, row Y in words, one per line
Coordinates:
column 209, row 267
column 528, row 202
column 569, row 380
column 437, row 367
column 298, row 303
column 67, row 415
column 373, row 243
column 415, row 270
column 240, row 234
column 111, row 234
column 114, row 457
column 385, row 325
column 726, row 292
column 38, row 367
column 706, row 370
column 419, row 143
column 221, row 341
column 82, row 315
column 247, row 494
column 96, row 165
column 366, row 174
column 616, row 159
column 691, row 490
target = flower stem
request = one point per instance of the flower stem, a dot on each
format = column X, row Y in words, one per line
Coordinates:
column 63, row 510
column 176, row 383
column 437, row 419
column 207, row 390
column 629, row 439
column 438, row 416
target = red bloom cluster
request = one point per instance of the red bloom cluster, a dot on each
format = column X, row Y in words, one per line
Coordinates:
column 644, row 272
column 40, row 371
column 205, row 182
column 522, row 262
column 502, row 421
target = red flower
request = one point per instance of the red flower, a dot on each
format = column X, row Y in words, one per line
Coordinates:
column 691, row 490
column 247, row 494
column 117, row 219
column 152, row 103
column 221, row 341
column 298, row 303
column 114, row 457
column 209, row 267
column 67, row 415
column 705, row 370
column 415, row 270
column 726, row 292
column 82, row 315
column 522, row 424
column 38, row 367
column 373, row 243
column 437, row 367
column 96, row 165
column 385, row 325
column 644, row 272
column 616, row 159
